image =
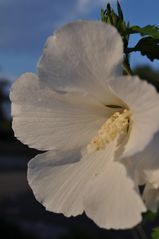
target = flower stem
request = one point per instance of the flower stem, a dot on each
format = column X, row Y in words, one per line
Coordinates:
column 127, row 69
column 141, row 232
column 138, row 232
column 135, row 234
column 126, row 62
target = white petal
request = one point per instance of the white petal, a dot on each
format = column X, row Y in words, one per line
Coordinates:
column 47, row 120
column 146, row 163
column 81, row 55
column 113, row 201
column 151, row 198
column 60, row 181
column 143, row 101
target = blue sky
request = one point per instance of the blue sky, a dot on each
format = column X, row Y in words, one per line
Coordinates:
column 25, row 26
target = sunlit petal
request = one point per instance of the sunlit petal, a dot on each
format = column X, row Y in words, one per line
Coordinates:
column 82, row 55
column 143, row 101
column 60, row 180
column 45, row 120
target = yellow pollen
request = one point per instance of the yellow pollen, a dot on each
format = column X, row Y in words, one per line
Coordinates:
column 117, row 124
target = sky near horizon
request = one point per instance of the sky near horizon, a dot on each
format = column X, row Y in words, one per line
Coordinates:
column 25, row 26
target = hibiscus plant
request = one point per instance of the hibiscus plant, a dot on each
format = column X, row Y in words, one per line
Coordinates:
column 97, row 123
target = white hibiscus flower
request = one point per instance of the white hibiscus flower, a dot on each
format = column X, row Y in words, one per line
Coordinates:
column 91, row 120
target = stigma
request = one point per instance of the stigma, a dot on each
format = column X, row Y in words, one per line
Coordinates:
column 116, row 125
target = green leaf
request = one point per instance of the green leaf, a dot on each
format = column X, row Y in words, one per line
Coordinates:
column 150, row 216
column 149, row 47
column 103, row 18
column 149, row 30
column 120, row 12
column 116, row 19
column 155, row 233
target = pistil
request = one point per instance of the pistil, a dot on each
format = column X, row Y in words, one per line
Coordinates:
column 116, row 125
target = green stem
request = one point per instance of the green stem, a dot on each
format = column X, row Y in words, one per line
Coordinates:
column 131, row 49
column 141, row 232
column 127, row 69
column 135, row 234
column 126, row 62
column 138, row 232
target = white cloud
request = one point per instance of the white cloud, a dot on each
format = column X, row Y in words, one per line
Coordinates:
column 84, row 6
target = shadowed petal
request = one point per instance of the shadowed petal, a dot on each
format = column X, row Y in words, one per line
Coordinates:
column 146, row 163
column 151, row 198
column 113, row 201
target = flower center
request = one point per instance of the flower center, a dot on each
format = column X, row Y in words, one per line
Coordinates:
column 117, row 124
